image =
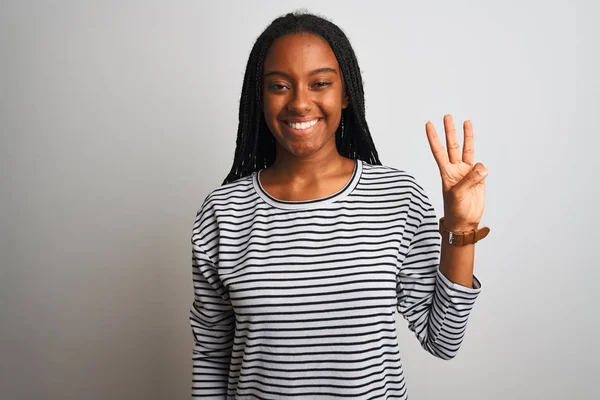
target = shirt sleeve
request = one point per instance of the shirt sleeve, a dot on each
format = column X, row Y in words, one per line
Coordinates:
column 212, row 321
column 436, row 309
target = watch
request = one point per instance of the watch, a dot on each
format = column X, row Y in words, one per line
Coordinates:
column 462, row 238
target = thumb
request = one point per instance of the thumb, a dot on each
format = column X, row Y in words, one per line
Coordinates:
column 477, row 175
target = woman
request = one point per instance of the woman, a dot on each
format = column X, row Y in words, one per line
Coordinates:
column 303, row 255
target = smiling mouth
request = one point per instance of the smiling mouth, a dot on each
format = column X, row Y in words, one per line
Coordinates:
column 301, row 126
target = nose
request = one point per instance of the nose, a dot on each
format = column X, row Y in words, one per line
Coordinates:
column 300, row 101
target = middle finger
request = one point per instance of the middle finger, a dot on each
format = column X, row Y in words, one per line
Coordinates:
column 451, row 140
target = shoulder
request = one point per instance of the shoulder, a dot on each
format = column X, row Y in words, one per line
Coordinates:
column 238, row 191
column 394, row 178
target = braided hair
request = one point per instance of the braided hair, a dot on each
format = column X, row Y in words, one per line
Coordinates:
column 255, row 145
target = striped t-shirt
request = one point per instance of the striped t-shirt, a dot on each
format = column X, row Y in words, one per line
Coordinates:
column 297, row 299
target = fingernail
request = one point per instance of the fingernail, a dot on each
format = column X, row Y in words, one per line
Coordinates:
column 483, row 172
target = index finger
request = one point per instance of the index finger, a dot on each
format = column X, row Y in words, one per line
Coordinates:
column 439, row 153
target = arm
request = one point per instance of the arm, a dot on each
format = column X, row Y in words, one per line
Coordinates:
column 436, row 308
column 212, row 322
column 456, row 262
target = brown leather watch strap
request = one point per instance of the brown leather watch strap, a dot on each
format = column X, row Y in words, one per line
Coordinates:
column 462, row 238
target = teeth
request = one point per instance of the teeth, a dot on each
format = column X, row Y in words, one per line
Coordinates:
column 302, row 125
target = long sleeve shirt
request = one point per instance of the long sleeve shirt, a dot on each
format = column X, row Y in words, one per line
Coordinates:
column 297, row 299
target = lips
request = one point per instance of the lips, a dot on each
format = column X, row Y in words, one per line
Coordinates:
column 302, row 125
column 300, row 128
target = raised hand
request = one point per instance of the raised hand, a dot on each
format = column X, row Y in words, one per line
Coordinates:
column 463, row 184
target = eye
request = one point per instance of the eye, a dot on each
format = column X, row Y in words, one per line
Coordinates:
column 277, row 87
column 322, row 84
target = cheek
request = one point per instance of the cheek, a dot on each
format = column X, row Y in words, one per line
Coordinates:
column 332, row 102
column 272, row 107
column 333, row 109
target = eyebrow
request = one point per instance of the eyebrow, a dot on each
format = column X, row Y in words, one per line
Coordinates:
column 313, row 72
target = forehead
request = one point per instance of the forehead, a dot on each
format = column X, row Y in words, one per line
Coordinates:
column 299, row 54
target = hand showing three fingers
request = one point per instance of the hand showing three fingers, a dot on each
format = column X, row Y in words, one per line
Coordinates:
column 463, row 184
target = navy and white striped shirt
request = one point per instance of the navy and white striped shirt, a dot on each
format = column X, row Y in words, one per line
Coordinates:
column 297, row 299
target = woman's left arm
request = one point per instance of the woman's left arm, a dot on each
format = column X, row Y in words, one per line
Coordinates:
column 456, row 263
column 463, row 189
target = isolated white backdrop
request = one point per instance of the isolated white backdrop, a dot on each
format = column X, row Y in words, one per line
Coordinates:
column 118, row 117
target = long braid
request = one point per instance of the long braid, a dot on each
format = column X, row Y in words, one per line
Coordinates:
column 255, row 146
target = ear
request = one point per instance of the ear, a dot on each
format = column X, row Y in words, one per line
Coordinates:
column 345, row 101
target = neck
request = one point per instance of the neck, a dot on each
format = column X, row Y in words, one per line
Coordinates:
column 313, row 167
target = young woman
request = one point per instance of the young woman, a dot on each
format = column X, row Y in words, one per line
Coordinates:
column 302, row 257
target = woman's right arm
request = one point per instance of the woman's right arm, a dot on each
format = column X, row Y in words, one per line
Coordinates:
column 212, row 322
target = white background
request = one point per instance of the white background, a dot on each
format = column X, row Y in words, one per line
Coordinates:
column 118, row 118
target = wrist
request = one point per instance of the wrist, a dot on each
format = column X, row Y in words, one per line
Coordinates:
column 461, row 235
column 453, row 226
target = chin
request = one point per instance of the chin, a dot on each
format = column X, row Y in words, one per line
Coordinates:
column 302, row 150
column 302, row 146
